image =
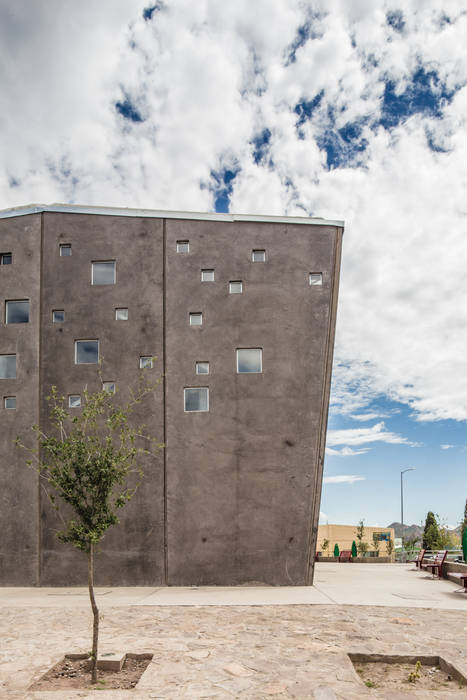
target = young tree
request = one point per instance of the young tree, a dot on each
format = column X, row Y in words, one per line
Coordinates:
column 430, row 532
column 325, row 546
column 376, row 542
column 90, row 467
column 336, row 550
column 362, row 546
column 354, row 549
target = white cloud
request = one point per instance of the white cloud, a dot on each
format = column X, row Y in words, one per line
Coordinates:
column 207, row 77
column 343, row 479
column 363, row 417
column 446, row 447
column 346, row 451
column 363, row 436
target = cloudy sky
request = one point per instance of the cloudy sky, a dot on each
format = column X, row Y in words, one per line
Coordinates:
column 352, row 110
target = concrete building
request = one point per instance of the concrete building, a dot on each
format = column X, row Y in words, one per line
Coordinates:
column 344, row 535
column 240, row 312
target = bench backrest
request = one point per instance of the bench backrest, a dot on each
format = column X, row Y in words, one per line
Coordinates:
column 345, row 554
column 421, row 554
column 440, row 557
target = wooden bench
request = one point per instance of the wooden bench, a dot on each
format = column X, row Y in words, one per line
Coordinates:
column 418, row 561
column 345, row 555
column 462, row 577
column 435, row 565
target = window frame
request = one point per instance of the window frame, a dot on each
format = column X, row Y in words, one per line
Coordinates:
column 9, row 408
column 6, row 255
column 15, row 301
column 74, row 396
column 103, row 262
column 258, row 250
column 196, row 314
column 202, row 362
column 65, row 246
column 200, row 410
column 240, row 282
column 10, row 354
column 319, row 275
column 208, row 270
column 121, row 308
column 181, row 243
column 237, row 350
column 87, row 340
column 109, row 383
column 150, row 365
column 58, row 311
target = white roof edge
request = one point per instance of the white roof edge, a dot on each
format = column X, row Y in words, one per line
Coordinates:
column 161, row 214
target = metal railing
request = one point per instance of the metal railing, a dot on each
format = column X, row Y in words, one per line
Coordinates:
column 403, row 556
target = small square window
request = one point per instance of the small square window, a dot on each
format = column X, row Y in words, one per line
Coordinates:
column 7, row 366
column 109, row 387
column 17, row 312
column 183, row 246
column 235, row 287
column 121, row 314
column 258, row 255
column 249, row 360
column 65, row 250
column 196, row 319
column 196, row 399
column 316, row 278
column 58, row 316
column 207, row 275
column 6, row 258
column 74, row 401
column 86, row 352
column 103, row 272
column 9, row 402
column 146, row 362
column 202, row 368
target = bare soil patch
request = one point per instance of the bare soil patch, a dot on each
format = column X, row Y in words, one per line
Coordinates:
column 74, row 673
column 397, row 675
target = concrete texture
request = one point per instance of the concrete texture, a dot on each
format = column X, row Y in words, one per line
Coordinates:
column 234, row 497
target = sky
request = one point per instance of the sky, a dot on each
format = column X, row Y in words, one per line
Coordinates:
column 344, row 110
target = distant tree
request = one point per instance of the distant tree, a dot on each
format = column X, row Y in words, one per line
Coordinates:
column 354, row 549
column 464, row 521
column 464, row 544
column 362, row 546
column 90, row 466
column 430, row 532
column 390, row 546
column 336, row 550
column 410, row 543
column 376, row 542
column 325, row 546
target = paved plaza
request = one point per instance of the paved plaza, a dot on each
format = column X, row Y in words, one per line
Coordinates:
column 246, row 642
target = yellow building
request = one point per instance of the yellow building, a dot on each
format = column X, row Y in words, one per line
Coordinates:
column 344, row 535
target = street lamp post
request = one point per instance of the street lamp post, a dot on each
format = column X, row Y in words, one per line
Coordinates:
column 410, row 469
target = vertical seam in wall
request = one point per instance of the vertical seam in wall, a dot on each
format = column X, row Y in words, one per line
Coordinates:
column 164, row 399
column 39, row 395
column 327, row 376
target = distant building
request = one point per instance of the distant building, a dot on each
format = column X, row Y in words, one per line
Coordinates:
column 344, row 535
column 240, row 312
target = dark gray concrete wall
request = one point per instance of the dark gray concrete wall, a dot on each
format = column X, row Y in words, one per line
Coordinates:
column 133, row 552
column 19, row 490
column 241, row 478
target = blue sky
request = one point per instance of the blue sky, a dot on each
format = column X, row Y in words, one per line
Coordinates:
column 348, row 110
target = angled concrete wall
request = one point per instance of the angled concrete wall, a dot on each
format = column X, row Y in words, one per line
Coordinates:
column 234, row 497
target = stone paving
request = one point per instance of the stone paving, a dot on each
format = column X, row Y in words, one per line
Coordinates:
column 231, row 651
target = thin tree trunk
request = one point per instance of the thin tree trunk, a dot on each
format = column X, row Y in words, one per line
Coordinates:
column 95, row 612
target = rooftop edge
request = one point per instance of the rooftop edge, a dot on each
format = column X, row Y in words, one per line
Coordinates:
column 161, row 214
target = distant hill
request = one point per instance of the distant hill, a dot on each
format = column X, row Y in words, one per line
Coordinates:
column 410, row 531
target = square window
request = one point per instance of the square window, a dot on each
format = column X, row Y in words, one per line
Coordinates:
column 183, row 246
column 17, row 312
column 74, row 401
column 121, row 314
column 235, row 287
column 7, row 366
column 316, row 278
column 197, row 399
column 202, row 368
column 146, row 362
column 6, row 258
column 9, row 402
column 258, row 255
column 86, row 352
column 58, row 316
column 207, row 275
column 103, row 272
column 196, row 319
column 249, row 360
column 65, row 250
column 109, row 387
